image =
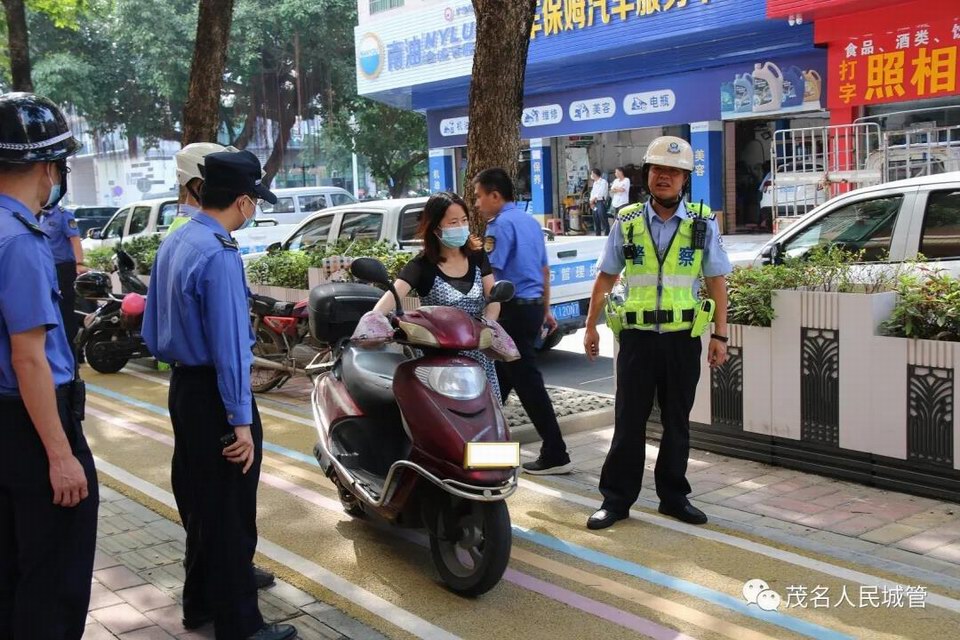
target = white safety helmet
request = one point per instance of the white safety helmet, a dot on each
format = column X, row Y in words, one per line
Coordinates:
column 190, row 159
column 670, row 151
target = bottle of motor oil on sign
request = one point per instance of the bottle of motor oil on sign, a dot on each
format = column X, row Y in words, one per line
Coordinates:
column 812, row 86
column 727, row 94
column 793, row 87
column 743, row 93
column 767, row 87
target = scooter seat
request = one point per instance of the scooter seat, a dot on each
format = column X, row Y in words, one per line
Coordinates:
column 368, row 376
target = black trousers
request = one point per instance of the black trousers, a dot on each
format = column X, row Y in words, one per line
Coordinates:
column 523, row 323
column 668, row 365
column 46, row 551
column 66, row 276
column 217, row 504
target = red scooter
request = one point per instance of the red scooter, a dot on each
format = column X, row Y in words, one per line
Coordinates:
column 283, row 345
column 418, row 441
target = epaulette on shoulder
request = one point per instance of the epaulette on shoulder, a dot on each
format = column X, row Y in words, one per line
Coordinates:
column 33, row 226
column 228, row 242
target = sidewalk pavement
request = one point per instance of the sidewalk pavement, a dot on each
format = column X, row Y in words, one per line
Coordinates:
column 138, row 578
column 910, row 535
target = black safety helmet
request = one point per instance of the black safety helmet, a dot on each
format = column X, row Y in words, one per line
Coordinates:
column 33, row 129
column 92, row 285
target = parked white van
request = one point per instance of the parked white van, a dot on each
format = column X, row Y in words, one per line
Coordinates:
column 293, row 205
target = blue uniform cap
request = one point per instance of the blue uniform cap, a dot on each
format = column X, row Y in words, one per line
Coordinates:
column 237, row 171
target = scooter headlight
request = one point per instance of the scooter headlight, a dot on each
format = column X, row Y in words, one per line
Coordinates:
column 459, row 383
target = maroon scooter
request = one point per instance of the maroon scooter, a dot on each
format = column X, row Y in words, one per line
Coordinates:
column 409, row 430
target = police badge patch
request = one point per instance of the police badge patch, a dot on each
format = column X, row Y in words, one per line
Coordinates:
column 489, row 243
column 72, row 223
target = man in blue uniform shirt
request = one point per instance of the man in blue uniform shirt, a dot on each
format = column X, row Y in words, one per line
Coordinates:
column 64, row 238
column 197, row 319
column 48, row 485
column 515, row 245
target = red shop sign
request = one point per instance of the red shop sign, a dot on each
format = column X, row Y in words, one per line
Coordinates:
column 912, row 62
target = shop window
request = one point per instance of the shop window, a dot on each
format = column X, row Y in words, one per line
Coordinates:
column 866, row 226
column 377, row 6
column 941, row 225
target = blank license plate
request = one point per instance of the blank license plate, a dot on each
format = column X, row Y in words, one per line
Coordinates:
column 492, row 455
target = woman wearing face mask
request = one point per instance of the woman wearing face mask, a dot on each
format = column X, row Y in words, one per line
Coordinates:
column 452, row 270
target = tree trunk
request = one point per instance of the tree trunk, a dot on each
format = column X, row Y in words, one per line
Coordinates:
column 496, row 88
column 19, row 44
column 402, row 174
column 201, row 112
column 249, row 125
column 287, row 118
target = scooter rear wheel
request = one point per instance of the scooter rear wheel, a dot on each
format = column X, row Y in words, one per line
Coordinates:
column 96, row 352
column 470, row 544
column 267, row 344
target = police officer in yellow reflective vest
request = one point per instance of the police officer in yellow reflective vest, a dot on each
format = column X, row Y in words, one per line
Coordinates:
column 663, row 246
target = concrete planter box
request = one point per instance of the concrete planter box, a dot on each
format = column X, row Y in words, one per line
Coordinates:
column 822, row 391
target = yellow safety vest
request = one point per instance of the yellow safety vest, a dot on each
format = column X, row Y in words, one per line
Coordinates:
column 660, row 289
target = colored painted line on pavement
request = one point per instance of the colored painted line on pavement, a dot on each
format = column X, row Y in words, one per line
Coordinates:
column 653, row 576
column 565, row 596
column 373, row 603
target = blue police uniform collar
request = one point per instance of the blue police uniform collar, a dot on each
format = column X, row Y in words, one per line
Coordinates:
column 507, row 206
column 6, row 202
column 209, row 221
column 680, row 213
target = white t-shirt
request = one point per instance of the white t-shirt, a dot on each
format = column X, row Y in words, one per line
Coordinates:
column 621, row 198
column 599, row 191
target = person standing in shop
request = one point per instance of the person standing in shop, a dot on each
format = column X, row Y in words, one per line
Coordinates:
column 598, row 203
column 620, row 192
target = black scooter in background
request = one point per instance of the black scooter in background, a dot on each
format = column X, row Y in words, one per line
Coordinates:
column 110, row 336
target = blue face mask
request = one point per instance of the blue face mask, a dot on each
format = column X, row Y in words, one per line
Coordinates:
column 455, row 237
column 57, row 191
column 247, row 221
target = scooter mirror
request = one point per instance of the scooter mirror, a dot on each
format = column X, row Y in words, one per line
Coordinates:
column 124, row 261
column 370, row 270
column 502, row 291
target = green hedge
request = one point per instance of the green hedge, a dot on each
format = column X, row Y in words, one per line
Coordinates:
column 143, row 250
column 290, row 268
column 750, row 289
column 928, row 307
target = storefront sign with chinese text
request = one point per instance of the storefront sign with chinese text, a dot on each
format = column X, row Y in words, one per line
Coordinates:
column 553, row 17
column 895, row 65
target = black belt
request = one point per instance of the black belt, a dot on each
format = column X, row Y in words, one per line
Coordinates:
column 62, row 391
column 660, row 316
column 201, row 368
column 526, row 301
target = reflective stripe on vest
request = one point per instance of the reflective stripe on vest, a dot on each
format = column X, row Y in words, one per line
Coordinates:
column 648, row 280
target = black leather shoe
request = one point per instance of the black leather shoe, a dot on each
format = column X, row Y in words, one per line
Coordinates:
column 197, row 620
column 685, row 513
column 263, row 577
column 275, row 632
column 603, row 519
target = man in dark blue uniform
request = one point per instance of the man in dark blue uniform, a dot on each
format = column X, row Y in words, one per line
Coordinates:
column 64, row 238
column 515, row 245
column 197, row 319
column 48, row 485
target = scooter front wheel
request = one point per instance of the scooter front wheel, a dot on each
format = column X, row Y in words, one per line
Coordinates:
column 470, row 543
column 267, row 345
